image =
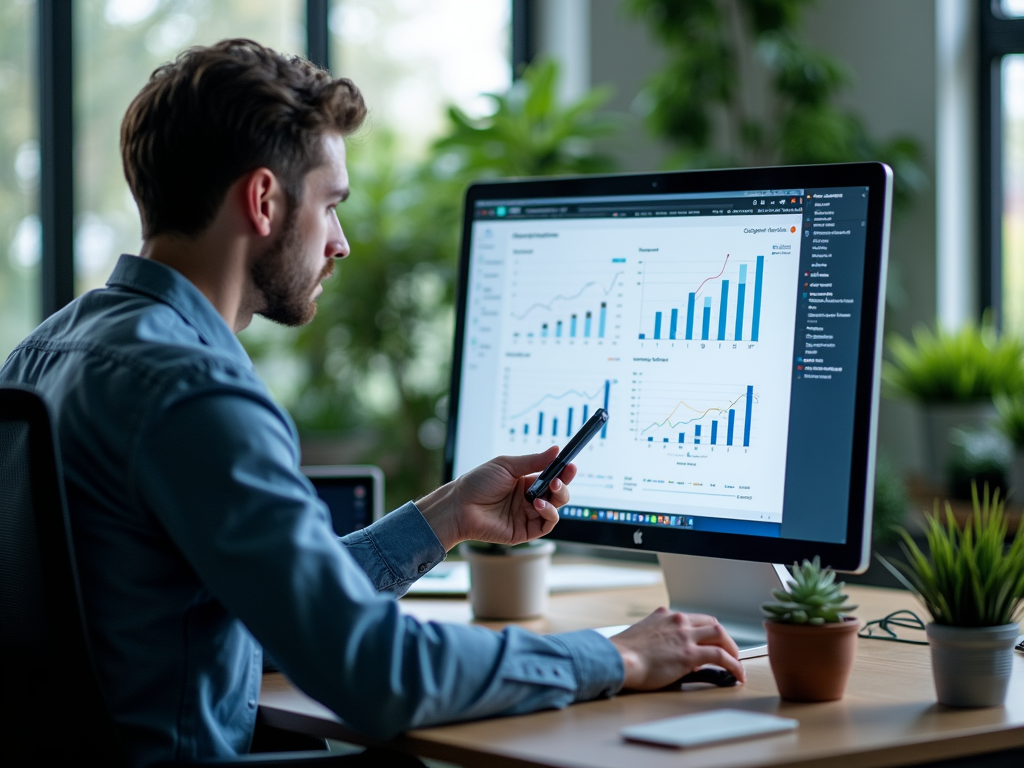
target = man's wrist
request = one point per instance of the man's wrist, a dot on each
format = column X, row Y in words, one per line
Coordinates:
column 439, row 510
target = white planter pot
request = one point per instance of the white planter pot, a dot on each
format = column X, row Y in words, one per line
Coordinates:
column 511, row 584
column 972, row 665
column 940, row 419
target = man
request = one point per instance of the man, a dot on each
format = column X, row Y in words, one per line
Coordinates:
column 198, row 538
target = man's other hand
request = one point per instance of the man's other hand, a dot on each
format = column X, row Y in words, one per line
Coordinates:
column 489, row 503
column 667, row 645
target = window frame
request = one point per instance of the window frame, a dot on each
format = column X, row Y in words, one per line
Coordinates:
column 998, row 36
column 55, row 52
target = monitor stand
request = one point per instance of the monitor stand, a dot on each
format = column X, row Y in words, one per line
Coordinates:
column 730, row 590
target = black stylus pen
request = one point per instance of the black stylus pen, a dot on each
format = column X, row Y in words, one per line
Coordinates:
column 579, row 441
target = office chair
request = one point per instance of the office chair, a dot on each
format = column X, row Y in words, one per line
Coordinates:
column 53, row 709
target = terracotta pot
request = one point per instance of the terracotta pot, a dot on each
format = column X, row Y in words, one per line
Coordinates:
column 812, row 663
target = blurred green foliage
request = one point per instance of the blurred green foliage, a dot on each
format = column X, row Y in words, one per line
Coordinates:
column 971, row 364
column 890, row 506
column 374, row 365
column 1011, row 417
column 741, row 88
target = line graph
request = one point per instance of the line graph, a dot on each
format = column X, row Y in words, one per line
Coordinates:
column 708, row 414
column 550, row 305
column 552, row 409
column 585, row 305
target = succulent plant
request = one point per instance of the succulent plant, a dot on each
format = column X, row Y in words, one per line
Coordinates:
column 813, row 598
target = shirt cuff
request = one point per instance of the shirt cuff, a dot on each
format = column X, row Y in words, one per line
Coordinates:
column 403, row 548
column 597, row 663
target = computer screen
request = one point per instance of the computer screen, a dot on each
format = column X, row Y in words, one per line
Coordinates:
column 729, row 321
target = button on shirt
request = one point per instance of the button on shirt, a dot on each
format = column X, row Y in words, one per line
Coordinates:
column 199, row 539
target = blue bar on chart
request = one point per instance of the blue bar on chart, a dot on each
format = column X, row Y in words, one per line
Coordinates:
column 526, row 429
column 755, row 318
column 723, row 310
column 673, row 323
column 544, row 330
column 650, row 438
column 746, row 419
column 732, row 422
column 607, row 389
column 689, row 316
column 540, row 423
column 558, row 329
column 643, row 335
column 682, row 437
column 741, row 297
column 601, row 322
column 586, row 326
column 664, row 439
column 572, row 327
column 706, row 325
column 657, row 325
column 714, row 432
column 568, row 431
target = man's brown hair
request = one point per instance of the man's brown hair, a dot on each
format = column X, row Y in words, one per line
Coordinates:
column 218, row 112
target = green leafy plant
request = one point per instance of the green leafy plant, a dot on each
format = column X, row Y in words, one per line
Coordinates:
column 970, row 578
column 971, row 364
column 814, row 597
column 741, row 88
column 1011, row 417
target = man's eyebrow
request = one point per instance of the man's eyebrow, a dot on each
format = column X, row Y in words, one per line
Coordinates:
column 341, row 193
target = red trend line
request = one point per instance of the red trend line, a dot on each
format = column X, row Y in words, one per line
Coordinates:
column 715, row 277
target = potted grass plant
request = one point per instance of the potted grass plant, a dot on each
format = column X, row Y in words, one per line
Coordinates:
column 954, row 376
column 1011, row 422
column 972, row 584
column 812, row 640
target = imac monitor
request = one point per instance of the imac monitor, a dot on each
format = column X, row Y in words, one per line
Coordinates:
column 729, row 321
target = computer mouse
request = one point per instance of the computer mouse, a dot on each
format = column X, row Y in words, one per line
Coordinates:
column 713, row 675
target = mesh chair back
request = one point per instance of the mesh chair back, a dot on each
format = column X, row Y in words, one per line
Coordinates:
column 53, row 709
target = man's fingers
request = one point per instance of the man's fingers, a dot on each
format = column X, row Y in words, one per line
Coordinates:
column 526, row 464
column 715, row 635
column 558, row 493
column 712, row 654
column 568, row 474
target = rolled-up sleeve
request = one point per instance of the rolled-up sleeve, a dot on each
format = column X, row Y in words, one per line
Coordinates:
column 396, row 550
column 252, row 528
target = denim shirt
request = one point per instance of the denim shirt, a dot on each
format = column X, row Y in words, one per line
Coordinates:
column 199, row 541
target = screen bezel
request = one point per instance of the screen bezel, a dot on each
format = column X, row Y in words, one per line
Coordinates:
column 852, row 555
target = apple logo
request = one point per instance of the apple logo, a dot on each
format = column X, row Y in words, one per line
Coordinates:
column 638, row 536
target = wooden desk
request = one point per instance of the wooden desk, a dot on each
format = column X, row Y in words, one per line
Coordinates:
column 888, row 717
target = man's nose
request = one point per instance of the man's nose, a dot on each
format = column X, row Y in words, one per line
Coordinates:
column 337, row 245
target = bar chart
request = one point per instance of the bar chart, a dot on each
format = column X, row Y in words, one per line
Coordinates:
column 550, row 414
column 693, row 414
column 702, row 299
column 576, row 310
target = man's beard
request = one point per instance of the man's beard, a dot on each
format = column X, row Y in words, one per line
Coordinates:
column 285, row 288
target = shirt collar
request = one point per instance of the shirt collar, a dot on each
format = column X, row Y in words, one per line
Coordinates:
column 167, row 285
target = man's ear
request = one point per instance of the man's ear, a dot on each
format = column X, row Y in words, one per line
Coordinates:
column 263, row 200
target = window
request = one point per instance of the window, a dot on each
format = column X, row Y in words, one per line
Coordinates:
column 1013, row 191
column 19, row 176
column 1001, row 101
column 411, row 58
column 118, row 43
